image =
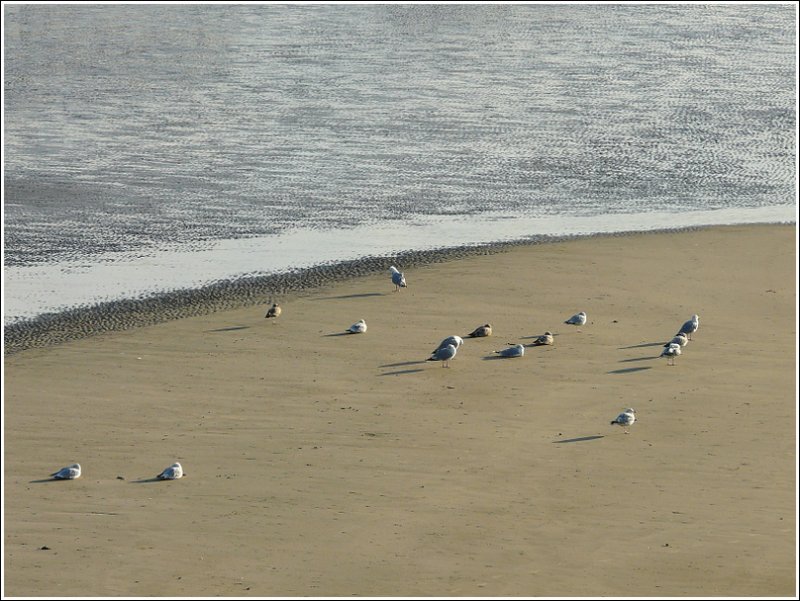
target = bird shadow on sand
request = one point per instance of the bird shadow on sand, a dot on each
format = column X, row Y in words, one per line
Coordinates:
column 347, row 296
column 628, row 370
column 43, row 480
column 230, row 329
column 401, row 372
column 403, row 364
column 637, row 359
column 153, row 479
column 579, row 439
column 338, row 334
column 645, row 345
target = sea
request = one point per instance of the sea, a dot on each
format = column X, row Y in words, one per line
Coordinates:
column 160, row 147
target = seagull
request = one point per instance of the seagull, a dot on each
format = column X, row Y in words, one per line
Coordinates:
column 670, row 352
column 68, row 473
column 173, row 472
column 679, row 339
column 517, row 350
column 456, row 341
column 358, row 328
column 625, row 419
column 444, row 355
column 479, row 332
column 398, row 279
column 578, row 319
column 690, row 327
column 545, row 339
column 273, row 311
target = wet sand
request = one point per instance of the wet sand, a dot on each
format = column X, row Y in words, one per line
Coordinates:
column 323, row 464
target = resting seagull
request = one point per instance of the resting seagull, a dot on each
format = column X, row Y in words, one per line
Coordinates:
column 173, row 472
column 517, row 350
column 358, row 327
column 456, row 341
column 544, row 339
column 481, row 331
column 68, row 473
column 690, row 327
column 625, row 419
column 578, row 319
column 444, row 355
column 273, row 311
column 670, row 352
column 398, row 279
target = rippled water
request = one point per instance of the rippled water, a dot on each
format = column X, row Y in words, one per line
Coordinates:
column 129, row 128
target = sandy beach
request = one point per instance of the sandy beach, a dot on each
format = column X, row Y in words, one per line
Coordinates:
column 324, row 464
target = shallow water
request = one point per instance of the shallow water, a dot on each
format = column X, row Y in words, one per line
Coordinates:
column 105, row 278
column 143, row 144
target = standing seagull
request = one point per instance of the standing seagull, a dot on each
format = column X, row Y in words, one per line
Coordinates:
column 398, row 279
column 68, row 473
column 517, row 350
column 578, row 319
column 481, row 331
column 444, row 355
column 273, row 311
column 679, row 339
column 544, row 339
column 173, row 472
column 456, row 341
column 625, row 419
column 358, row 327
column 670, row 352
column 690, row 327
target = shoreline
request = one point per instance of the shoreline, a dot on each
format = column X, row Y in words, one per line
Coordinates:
column 86, row 321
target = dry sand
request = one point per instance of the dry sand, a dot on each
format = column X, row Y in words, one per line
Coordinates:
column 332, row 465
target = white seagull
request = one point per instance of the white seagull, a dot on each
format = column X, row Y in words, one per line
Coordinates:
column 517, row 350
column 358, row 328
column 68, row 473
column 625, row 419
column 578, row 319
column 670, row 352
column 481, row 331
column 456, row 341
column 173, row 472
column 398, row 279
column 690, row 327
column 679, row 339
column 544, row 339
column 444, row 355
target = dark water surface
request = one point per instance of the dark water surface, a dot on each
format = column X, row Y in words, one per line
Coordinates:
column 133, row 128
